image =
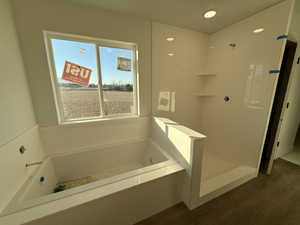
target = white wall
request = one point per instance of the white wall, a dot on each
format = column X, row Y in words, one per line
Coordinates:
column 236, row 129
column 291, row 116
column 14, row 94
column 18, row 126
column 34, row 16
column 178, row 73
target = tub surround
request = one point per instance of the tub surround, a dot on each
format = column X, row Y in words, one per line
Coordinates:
column 17, row 161
column 59, row 205
column 172, row 153
column 139, row 162
column 80, row 137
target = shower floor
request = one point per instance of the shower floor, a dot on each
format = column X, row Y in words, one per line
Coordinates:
column 293, row 157
column 218, row 174
column 214, row 166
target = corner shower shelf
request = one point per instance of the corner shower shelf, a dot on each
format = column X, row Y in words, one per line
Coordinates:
column 204, row 94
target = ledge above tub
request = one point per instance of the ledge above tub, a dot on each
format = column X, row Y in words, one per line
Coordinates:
column 189, row 132
column 166, row 121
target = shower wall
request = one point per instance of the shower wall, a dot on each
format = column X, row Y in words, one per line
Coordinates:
column 236, row 117
column 222, row 83
column 175, row 66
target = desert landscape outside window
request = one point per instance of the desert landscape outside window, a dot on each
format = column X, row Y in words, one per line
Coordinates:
column 92, row 78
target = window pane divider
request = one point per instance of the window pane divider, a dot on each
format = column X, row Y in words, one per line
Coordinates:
column 134, row 59
column 101, row 98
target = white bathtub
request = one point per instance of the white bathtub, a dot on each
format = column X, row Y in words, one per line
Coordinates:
column 132, row 163
column 128, row 180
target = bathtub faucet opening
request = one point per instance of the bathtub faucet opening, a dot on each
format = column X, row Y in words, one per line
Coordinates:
column 33, row 164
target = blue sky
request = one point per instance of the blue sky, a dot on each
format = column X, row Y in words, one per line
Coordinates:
column 84, row 54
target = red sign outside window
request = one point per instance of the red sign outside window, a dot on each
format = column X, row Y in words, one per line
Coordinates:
column 76, row 74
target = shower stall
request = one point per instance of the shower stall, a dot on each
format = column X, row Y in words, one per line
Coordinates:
column 231, row 85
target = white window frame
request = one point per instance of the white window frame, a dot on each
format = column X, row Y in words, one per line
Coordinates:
column 48, row 35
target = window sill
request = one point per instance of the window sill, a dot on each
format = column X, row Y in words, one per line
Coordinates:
column 105, row 120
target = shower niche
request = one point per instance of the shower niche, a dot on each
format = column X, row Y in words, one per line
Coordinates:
column 206, row 85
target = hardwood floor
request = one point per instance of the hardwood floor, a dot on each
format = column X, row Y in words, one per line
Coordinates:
column 266, row 200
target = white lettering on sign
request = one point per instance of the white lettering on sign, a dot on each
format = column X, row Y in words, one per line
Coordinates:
column 76, row 74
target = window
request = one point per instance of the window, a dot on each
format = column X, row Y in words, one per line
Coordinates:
column 92, row 78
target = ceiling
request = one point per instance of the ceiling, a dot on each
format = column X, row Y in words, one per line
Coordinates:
column 186, row 13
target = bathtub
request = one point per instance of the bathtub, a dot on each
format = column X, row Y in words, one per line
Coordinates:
column 119, row 183
column 99, row 172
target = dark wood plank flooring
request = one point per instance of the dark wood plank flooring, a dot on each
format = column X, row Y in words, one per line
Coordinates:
column 266, row 200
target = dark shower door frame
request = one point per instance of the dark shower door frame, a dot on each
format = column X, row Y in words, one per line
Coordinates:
column 278, row 108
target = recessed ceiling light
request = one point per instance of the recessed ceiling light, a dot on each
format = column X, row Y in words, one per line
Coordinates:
column 210, row 14
column 170, row 54
column 259, row 30
column 170, row 39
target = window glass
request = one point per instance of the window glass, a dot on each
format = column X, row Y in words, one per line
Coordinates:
column 78, row 101
column 117, row 80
